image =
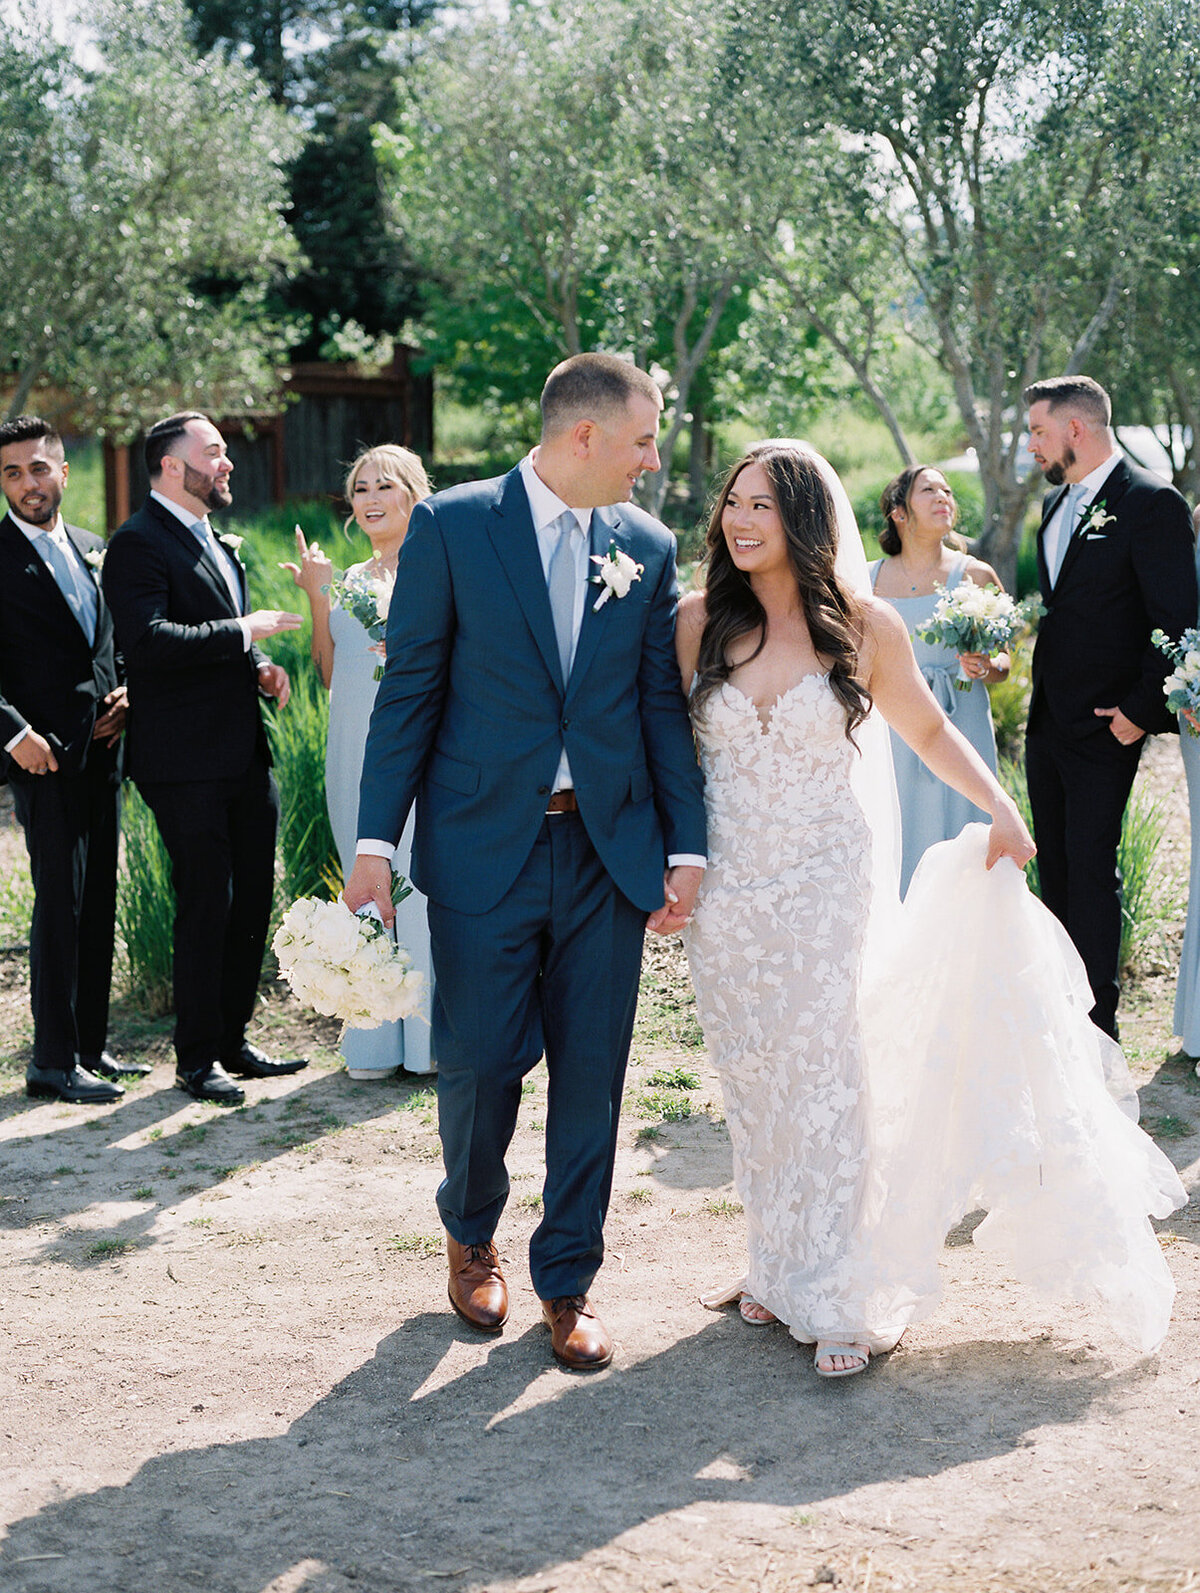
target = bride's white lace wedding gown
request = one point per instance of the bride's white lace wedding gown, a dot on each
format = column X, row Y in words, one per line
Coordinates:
column 872, row 1100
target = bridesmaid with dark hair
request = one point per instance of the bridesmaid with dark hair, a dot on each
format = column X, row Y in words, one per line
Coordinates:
column 922, row 550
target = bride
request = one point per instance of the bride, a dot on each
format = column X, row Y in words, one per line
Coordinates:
column 886, row 1069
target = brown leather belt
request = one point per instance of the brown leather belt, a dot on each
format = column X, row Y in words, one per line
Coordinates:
column 562, row 802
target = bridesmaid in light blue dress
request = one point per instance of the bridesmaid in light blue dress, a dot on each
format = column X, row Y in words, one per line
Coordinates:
column 382, row 486
column 1187, row 991
column 923, row 551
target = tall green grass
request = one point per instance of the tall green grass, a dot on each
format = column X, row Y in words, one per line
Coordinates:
column 308, row 861
column 145, row 909
column 1149, row 900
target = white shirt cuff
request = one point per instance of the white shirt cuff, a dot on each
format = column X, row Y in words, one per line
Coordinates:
column 17, row 739
column 686, row 860
column 246, row 636
column 372, row 848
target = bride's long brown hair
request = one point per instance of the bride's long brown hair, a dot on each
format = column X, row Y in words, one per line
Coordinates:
column 809, row 519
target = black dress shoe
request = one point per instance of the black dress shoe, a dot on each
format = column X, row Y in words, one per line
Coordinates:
column 210, row 1084
column 107, row 1066
column 251, row 1063
column 76, row 1085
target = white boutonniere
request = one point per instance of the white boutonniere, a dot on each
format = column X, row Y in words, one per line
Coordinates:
column 617, row 574
column 94, row 558
column 1097, row 519
column 233, row 543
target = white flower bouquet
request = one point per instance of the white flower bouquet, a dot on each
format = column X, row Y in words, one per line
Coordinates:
column 346, row 965
column 1181, row 688
column 367, row 594
column 976, row 619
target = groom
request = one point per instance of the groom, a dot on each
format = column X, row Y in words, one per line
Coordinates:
column 532, row 710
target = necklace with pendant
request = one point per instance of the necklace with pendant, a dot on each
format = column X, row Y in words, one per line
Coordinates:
column 928, row 572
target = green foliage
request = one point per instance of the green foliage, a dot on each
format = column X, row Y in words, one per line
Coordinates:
column 145, row 908
column 1147, row 901
column 1010, row 705
column 333, row 63
column 998, row 228
column 1012, row 778
column 669, row 1106
column 139, row 267
column 83, row 503
column 308, row 857
column 1168, row 1127
column 420, row 1245
column 16, row 904
column 676, row 1078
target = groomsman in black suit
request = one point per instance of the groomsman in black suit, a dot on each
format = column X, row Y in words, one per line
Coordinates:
column 196, row 745
column 62, row 709
column 1115, row 561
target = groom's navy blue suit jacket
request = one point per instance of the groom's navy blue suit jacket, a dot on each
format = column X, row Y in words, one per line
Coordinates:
column 472, row 714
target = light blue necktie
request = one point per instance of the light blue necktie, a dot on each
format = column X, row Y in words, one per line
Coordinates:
column 78, row 588
column 1066, row 526
column 562, row 581
column 202, row 532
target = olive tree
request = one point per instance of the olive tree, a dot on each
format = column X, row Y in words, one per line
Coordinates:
column 141, row 220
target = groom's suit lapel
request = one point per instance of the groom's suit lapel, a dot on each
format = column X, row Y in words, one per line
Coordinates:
column 606, row 529
column 510, row 527
column 1112, row 489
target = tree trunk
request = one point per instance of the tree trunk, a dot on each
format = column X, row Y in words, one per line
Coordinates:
column 29, row 375
column 699, row 456
column 1004, row 507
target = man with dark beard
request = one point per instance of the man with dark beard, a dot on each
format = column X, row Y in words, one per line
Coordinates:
column 196, row 744
column 1114, row 562
column 62, row 709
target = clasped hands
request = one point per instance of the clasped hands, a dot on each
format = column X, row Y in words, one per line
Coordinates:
column 371, row 881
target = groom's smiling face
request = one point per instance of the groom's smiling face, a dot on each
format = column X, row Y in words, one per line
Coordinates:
column 622, row 446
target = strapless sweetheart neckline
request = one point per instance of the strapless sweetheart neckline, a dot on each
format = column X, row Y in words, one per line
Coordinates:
column 765, row 724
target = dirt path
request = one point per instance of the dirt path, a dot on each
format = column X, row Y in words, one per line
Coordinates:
column 227, row 1364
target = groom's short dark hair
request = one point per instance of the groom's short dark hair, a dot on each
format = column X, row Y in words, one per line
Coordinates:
column 588, row 385
column 1079, row 393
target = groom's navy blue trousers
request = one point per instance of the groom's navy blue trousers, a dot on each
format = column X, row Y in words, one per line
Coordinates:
column 554, row 967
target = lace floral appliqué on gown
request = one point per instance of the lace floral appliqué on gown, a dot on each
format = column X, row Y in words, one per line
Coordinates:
column 870, row 1109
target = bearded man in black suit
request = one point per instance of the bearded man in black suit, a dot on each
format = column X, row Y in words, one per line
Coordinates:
column 196, row 744
column 62, row 709
column 1115, row 561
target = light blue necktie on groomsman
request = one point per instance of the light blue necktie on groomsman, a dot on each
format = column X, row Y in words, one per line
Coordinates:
column 75, row 584
column 203, row 534
column 562, row 581
column 1066, row 526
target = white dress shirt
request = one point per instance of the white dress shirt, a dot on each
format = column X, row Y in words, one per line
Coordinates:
column 1057, row 534
column 225, row 560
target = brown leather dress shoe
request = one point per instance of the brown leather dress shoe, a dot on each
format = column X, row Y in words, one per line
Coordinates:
column 579, row 1339
column 477, row 1290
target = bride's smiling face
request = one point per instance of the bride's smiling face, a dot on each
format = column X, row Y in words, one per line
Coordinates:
column 751, row 524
